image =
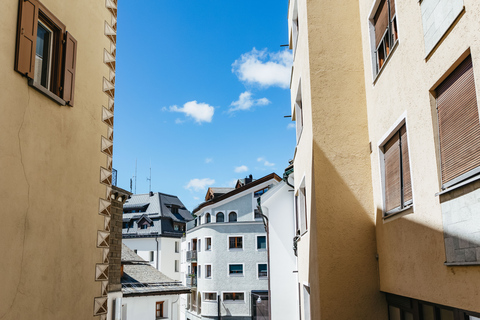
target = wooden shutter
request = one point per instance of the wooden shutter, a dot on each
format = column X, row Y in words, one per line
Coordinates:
column 392, row 173
column 407, row 182
column 459, row 127
column 69, row 68
column 392, row 8
column 26, row 37
column 380, row 21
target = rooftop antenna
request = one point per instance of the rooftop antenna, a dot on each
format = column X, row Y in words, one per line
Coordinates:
column 150, row 179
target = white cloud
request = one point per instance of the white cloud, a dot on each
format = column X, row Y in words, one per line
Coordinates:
column 200, row 112
column 199, row 184
column 179, row 121
column 208, row 160
column 245, row 102
column 265, row 162
column 264, row 68
column 291, row 126
column 241, row 169
column 196, row 198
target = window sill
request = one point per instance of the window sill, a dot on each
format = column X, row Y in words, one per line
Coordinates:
column 236, row 275
column 461, row 264
column 399, row 212
column 385, row 63
column 46, row 92
column 476, row 177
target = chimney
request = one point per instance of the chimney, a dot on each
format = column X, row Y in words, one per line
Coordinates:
column 151, row 193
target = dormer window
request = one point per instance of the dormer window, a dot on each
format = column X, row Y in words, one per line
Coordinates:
column 174, row 209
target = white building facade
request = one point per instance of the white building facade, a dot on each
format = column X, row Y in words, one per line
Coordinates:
column 226, row 261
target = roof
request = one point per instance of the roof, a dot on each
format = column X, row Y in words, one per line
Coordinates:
column 216, row 192
column 141, row 279
column 156, row 208
column 238, row 190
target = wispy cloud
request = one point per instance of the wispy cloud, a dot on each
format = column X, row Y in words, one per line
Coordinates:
column 265, row 162
column 199, row 184
column 208, row 160
column 200, row 112
column 291, row 125
column 264, row 68
column 241, row 169
column 245, row 102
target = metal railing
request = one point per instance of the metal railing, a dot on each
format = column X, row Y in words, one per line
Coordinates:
column 191, row 280
column 114, row 177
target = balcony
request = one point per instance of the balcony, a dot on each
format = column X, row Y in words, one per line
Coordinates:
column 191, row 255
column 191, row 281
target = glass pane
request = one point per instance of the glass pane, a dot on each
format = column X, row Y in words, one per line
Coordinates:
column 394, row 313
column 239, row 296
column 407, row 316
column 473, row 318
column 261, row 242
column 428, row 312
column 236, row 268
column 446, row 314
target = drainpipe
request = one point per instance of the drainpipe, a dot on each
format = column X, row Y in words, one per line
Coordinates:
column 156, row 239
column 173, row 302
column 266, row 224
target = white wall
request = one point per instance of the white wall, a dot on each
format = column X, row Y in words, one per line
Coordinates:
column 143, row 308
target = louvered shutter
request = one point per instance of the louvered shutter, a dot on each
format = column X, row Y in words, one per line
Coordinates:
column 380, row 21
column 459, row 127
column 406, row 179
column 26, row 37
column 392, row 173
column 69, row 68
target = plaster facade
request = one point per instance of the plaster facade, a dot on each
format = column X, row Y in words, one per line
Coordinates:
column 55, row 164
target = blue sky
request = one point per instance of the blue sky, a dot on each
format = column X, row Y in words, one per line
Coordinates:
column 201, row 94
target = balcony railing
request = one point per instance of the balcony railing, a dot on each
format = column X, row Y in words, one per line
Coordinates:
column 191, row 281
column 192, row 255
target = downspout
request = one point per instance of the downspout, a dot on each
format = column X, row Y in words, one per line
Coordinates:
column 156, row 240
column 286, row 174
column 266, row 224
column 178, row 297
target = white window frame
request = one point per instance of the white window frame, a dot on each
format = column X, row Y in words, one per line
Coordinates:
column 205, row 240
column 216, row 296
column 237, row 236
column 234, row 302
column 211, row 272
column 298, row 112
column 295, row 28
column 381, row 158
column 236, row 275
column 256, row 243
column 258, row 276
column 299, row 217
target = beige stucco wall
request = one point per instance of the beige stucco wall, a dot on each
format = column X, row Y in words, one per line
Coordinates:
column 50, row 163
column 337, row 254
column 410, row 246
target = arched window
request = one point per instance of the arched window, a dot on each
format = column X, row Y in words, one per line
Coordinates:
column 232, row 217
column 207, row 218
column 220, row 217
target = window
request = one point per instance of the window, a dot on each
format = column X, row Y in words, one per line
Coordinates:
column 294, row 38
column 176, row 247
column 125, row 225
column 232, row 217
column 177, row 264
column 384, row 23
column 235, row 269
column 175, row 227
column 261, row 242
column 398, row 185
column 301, row 209
column 299, row 112
column 199, row 271
column 258, row 193
column 210, row 296
column 306, row 302
column 199, row 245
column 207, row 218
column 159, row 309
column 235, row 242
column 174, row 209
column 459, row 127
column 144, row 226
column 257, row 214
column 151, row 255
column 208, row 243
column 233, row 296
column 45, row 52
column 208, row 271
column 220, row 217
column 262, row 270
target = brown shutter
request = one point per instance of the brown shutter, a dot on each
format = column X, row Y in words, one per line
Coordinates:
column 459, row 127
column 392, row 173
column 392, row 8
column 380, row 21
column 407, row 182
column 69, row 71
column 26, row 37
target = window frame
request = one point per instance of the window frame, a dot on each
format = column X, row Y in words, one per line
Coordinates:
column 159, row 312
column 235, row 274
column 216, row 216
column 394, row 129
column 210, row 300
column 301, row 217
column 234, row 293
column 236, row 215
column 206, row 272
column 235, row 236
column 256, row 243
column 298, row 112
column 207, row 240
column 258, row 271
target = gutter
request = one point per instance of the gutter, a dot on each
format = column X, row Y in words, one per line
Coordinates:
column 156, row 239
column 266, row 224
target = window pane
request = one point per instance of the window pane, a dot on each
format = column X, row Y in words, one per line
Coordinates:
column 428, row 312
column 236, row 269
column 446, row 314
column 408, row 316
column 220, row 217
column 394, row 313
column 262, row 242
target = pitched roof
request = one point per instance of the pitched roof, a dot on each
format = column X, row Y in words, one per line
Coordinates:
column 140, row 278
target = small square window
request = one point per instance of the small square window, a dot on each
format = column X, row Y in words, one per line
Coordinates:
column 261, row 242
column 235, row 243
column 262, row 270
